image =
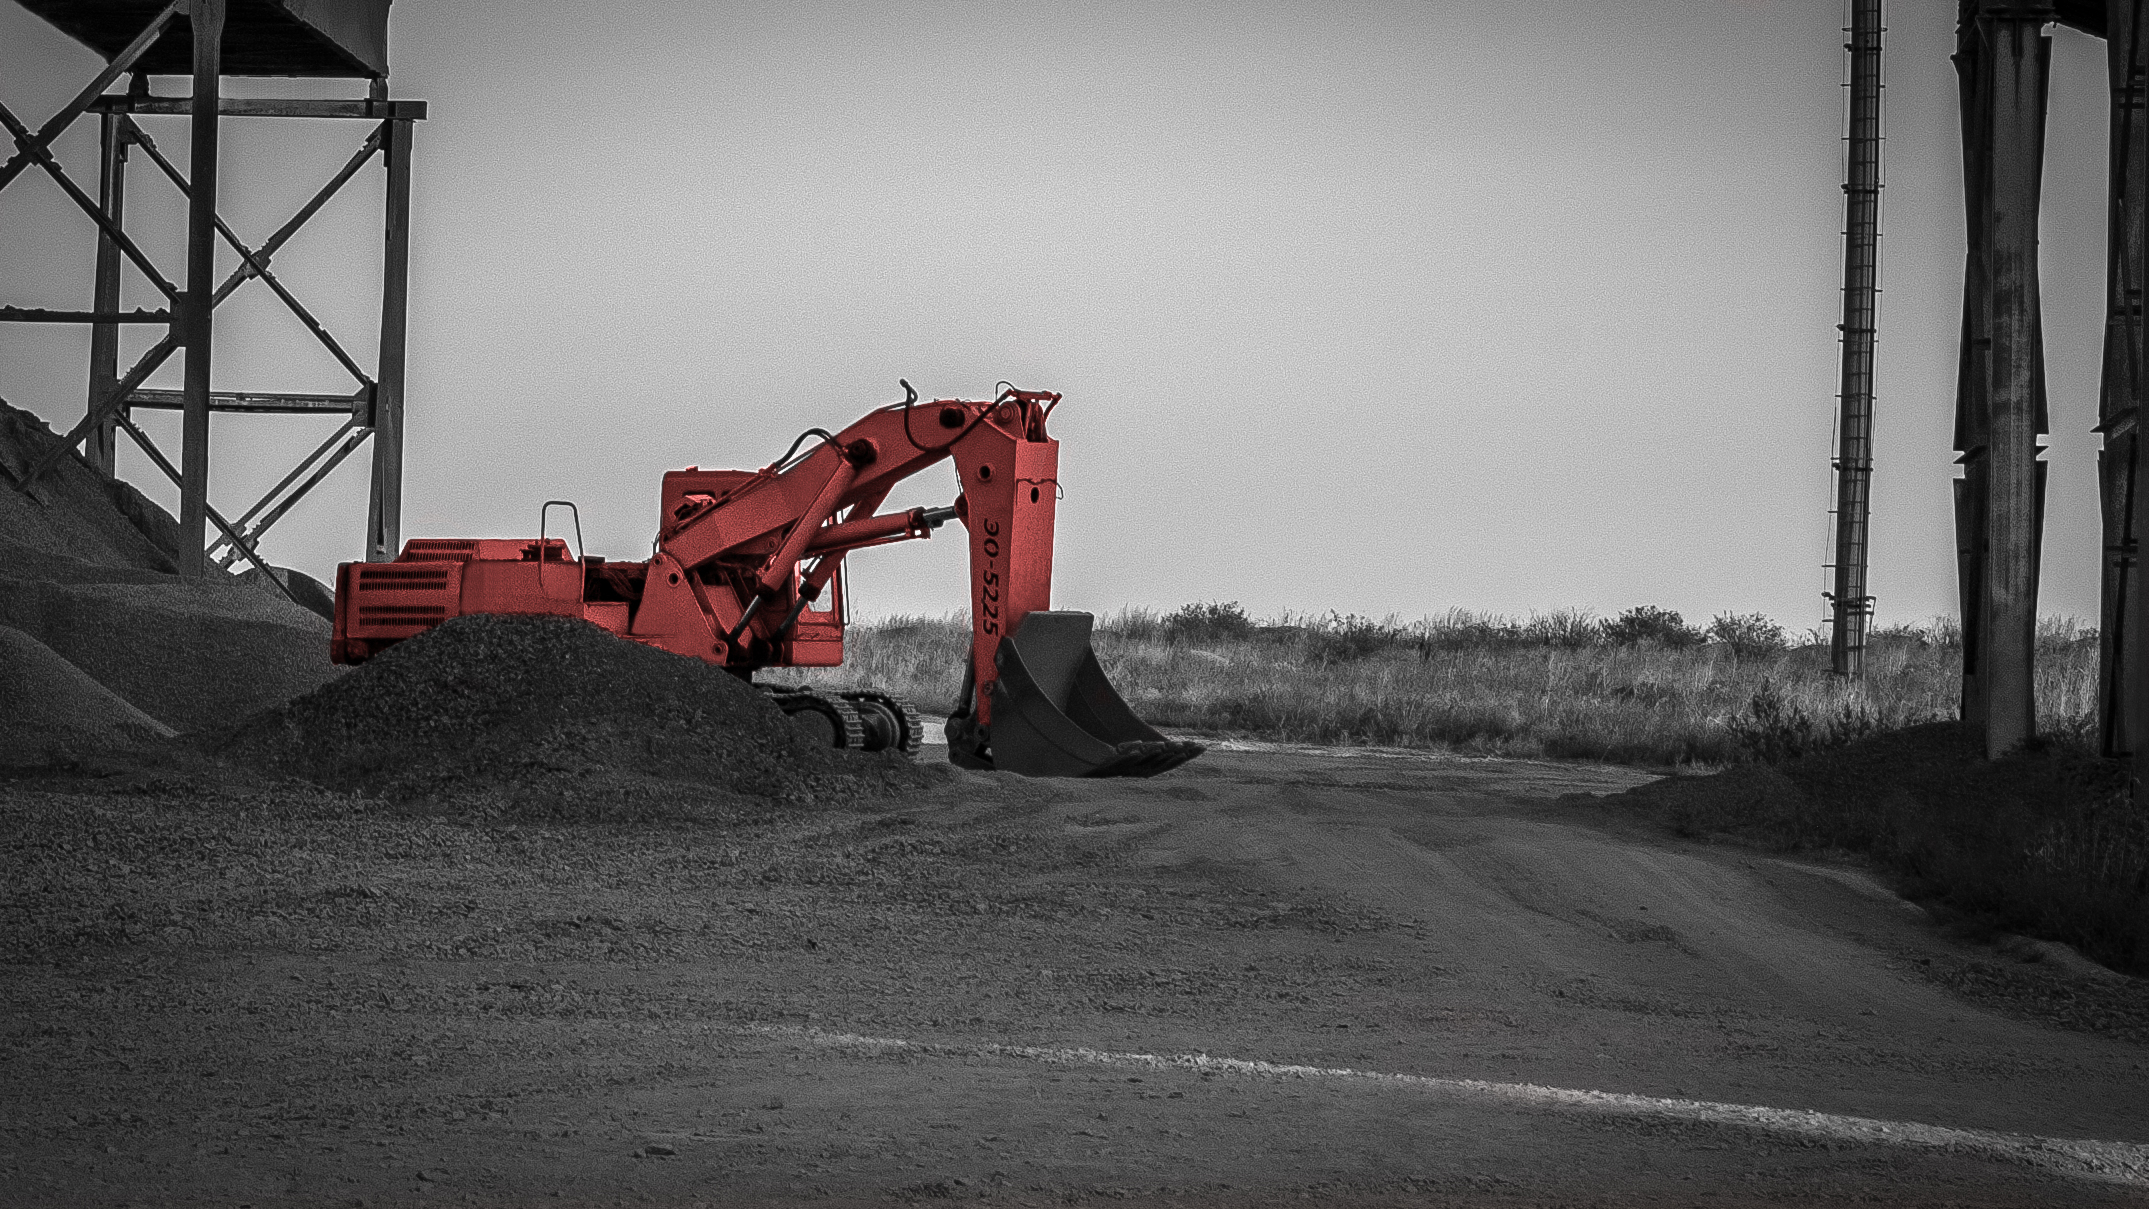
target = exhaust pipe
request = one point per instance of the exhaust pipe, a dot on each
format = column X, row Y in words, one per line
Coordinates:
column 1054, row 714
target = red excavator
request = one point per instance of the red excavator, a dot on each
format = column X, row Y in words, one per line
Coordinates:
column 747, row 574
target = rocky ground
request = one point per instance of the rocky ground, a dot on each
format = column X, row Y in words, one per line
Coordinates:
column 517, row 913
column 1269, row 976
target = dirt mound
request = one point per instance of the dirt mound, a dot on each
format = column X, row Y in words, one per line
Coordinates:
column 87, row 568
column 51, row 711
column 74, row 511
column 297, row 586
column 545, row 715
column 194, row 654
column 2043, row 841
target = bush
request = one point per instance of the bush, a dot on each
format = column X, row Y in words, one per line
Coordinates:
column 1747, row 634
column 1465, row 629
column 1545, row 685
column 1210, row 622
column 1346, row 638
column 1648, row 623
column 1568, row 629
column 1134, row 623
column 1772, row 730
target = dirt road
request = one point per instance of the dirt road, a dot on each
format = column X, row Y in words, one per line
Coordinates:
column 1267, row 976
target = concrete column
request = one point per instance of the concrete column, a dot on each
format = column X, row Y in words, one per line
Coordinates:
column 2005, row 59
column 2123, row 657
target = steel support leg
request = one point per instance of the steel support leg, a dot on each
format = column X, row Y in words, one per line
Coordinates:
column 208, row 20
column 384, row 511
column 103, row 450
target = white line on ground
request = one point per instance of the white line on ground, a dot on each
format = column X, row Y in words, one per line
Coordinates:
column 2105, row 1162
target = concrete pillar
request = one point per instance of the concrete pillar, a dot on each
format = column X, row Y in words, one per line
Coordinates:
column 2003, row 61
column 2123, row 656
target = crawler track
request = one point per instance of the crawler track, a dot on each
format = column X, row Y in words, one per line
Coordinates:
column 857, row 719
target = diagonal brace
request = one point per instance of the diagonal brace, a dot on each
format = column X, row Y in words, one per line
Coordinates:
column 75, row 108
column 305, row 464
column 110, row 403
column 351, row 444
column 27, row 141
column 256, row 263
column 320, row 198
column 172, row 472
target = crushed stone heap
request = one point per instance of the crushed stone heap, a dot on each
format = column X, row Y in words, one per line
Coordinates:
column 543, row 715
column 51, row 710
column 88, row 569
column 194, row 654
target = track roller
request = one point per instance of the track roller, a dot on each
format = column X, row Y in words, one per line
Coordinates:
column 852, row 719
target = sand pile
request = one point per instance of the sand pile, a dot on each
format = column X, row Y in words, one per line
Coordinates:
column 51, row 712
column 194, row 654
column 86, row 569
column 76, row 512
column 544, row 715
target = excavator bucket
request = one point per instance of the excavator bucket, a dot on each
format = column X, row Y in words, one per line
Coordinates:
column 1055, row 715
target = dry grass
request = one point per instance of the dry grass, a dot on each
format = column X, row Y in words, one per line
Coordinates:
column 1556, row 684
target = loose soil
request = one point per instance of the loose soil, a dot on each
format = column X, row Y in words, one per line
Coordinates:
column 220, row 992
column 86, row 568
column 519, row 912
column 547, row 717
column 51, row 712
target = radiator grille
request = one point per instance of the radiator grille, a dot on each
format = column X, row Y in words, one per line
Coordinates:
column 440, row 549
column 408, row 579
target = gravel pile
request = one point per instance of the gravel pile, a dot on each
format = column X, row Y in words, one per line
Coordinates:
column 76, row 513
column 52, row 712
column 87, row 569
column 550, row 717
column 194, row 654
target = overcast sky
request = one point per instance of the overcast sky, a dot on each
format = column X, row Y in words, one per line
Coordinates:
column 1379, row 308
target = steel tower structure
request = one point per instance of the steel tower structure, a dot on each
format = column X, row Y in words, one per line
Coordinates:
column 207, row 40
column 1850, row 602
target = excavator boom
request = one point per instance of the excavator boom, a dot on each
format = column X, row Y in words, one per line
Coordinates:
column 745, row 575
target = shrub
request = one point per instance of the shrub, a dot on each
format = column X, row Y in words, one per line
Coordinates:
column 1569, row 629
column 1546, row 685
column 2055, row 635
column 1462, row 628
column 1349, row 637
column 1133, row 623
column 1648, row 623
column 1210, row 622
column 1465, row 629
column 1747, row 634
column 1772, row 730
